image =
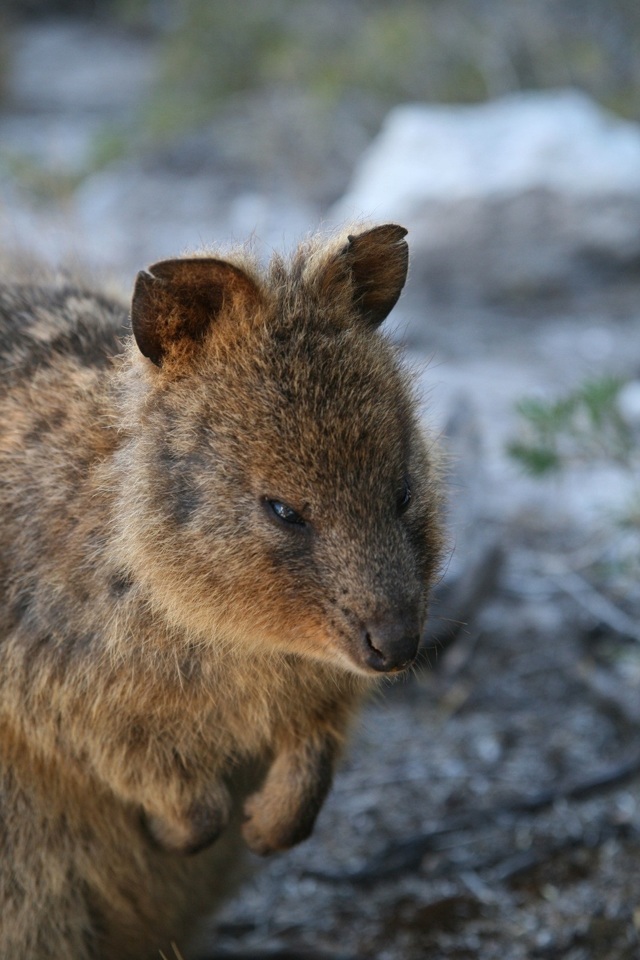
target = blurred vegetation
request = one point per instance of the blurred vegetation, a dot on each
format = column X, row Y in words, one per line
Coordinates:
column 582, row 426
column 586, row 426
column 317, row 78
column 390, row 50
column 41, row 181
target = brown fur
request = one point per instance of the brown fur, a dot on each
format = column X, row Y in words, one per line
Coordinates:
column 170, row 648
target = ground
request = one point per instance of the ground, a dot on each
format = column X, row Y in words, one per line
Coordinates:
column 489, row 805
column 488, row 809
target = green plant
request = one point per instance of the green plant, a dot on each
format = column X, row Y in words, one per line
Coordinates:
column 42, row 183
column 583, row 425
column 425, row 50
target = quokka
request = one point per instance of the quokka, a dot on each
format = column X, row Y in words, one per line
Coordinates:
column 220, row 523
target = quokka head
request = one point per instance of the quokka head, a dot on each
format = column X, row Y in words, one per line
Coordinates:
column 279, row 492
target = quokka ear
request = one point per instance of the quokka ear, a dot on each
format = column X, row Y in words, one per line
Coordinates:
column 175, row 302
column 377, row 260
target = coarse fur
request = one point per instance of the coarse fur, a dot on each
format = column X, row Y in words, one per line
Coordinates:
column 216, row 534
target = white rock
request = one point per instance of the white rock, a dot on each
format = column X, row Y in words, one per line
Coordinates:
column 533, row 191
column 629, row 403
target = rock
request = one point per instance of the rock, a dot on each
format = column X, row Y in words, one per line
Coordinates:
column 533, row 194
column 629, row 404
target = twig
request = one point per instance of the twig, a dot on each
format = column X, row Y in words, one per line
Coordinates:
column 515, row 865
column 604, row 687
column 277, row 955
column 599, row 606
column 407, row 855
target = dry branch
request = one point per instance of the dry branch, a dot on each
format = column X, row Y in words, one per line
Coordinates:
column 407, row 855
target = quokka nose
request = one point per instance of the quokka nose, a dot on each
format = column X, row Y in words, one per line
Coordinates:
column 390, row 645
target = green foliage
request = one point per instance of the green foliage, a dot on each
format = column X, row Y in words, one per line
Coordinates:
column 39, row 181
column 582, row 425
column 387, row 52
column 344, row 63
column 215, row 50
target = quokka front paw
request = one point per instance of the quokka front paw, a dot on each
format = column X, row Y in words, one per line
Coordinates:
column 270, row 829
column 190, row 832
column 283, row 812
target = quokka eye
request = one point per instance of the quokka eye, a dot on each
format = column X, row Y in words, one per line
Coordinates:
column 405, row 497
column 285, row 513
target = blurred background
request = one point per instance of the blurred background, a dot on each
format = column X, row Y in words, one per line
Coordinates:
column 490, row 805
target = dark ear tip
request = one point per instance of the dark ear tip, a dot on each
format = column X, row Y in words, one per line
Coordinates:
column 398, row 231
column 143, row 277
column 386, row 233
column 164, row 269
column 144, row 290
column 144, row 283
